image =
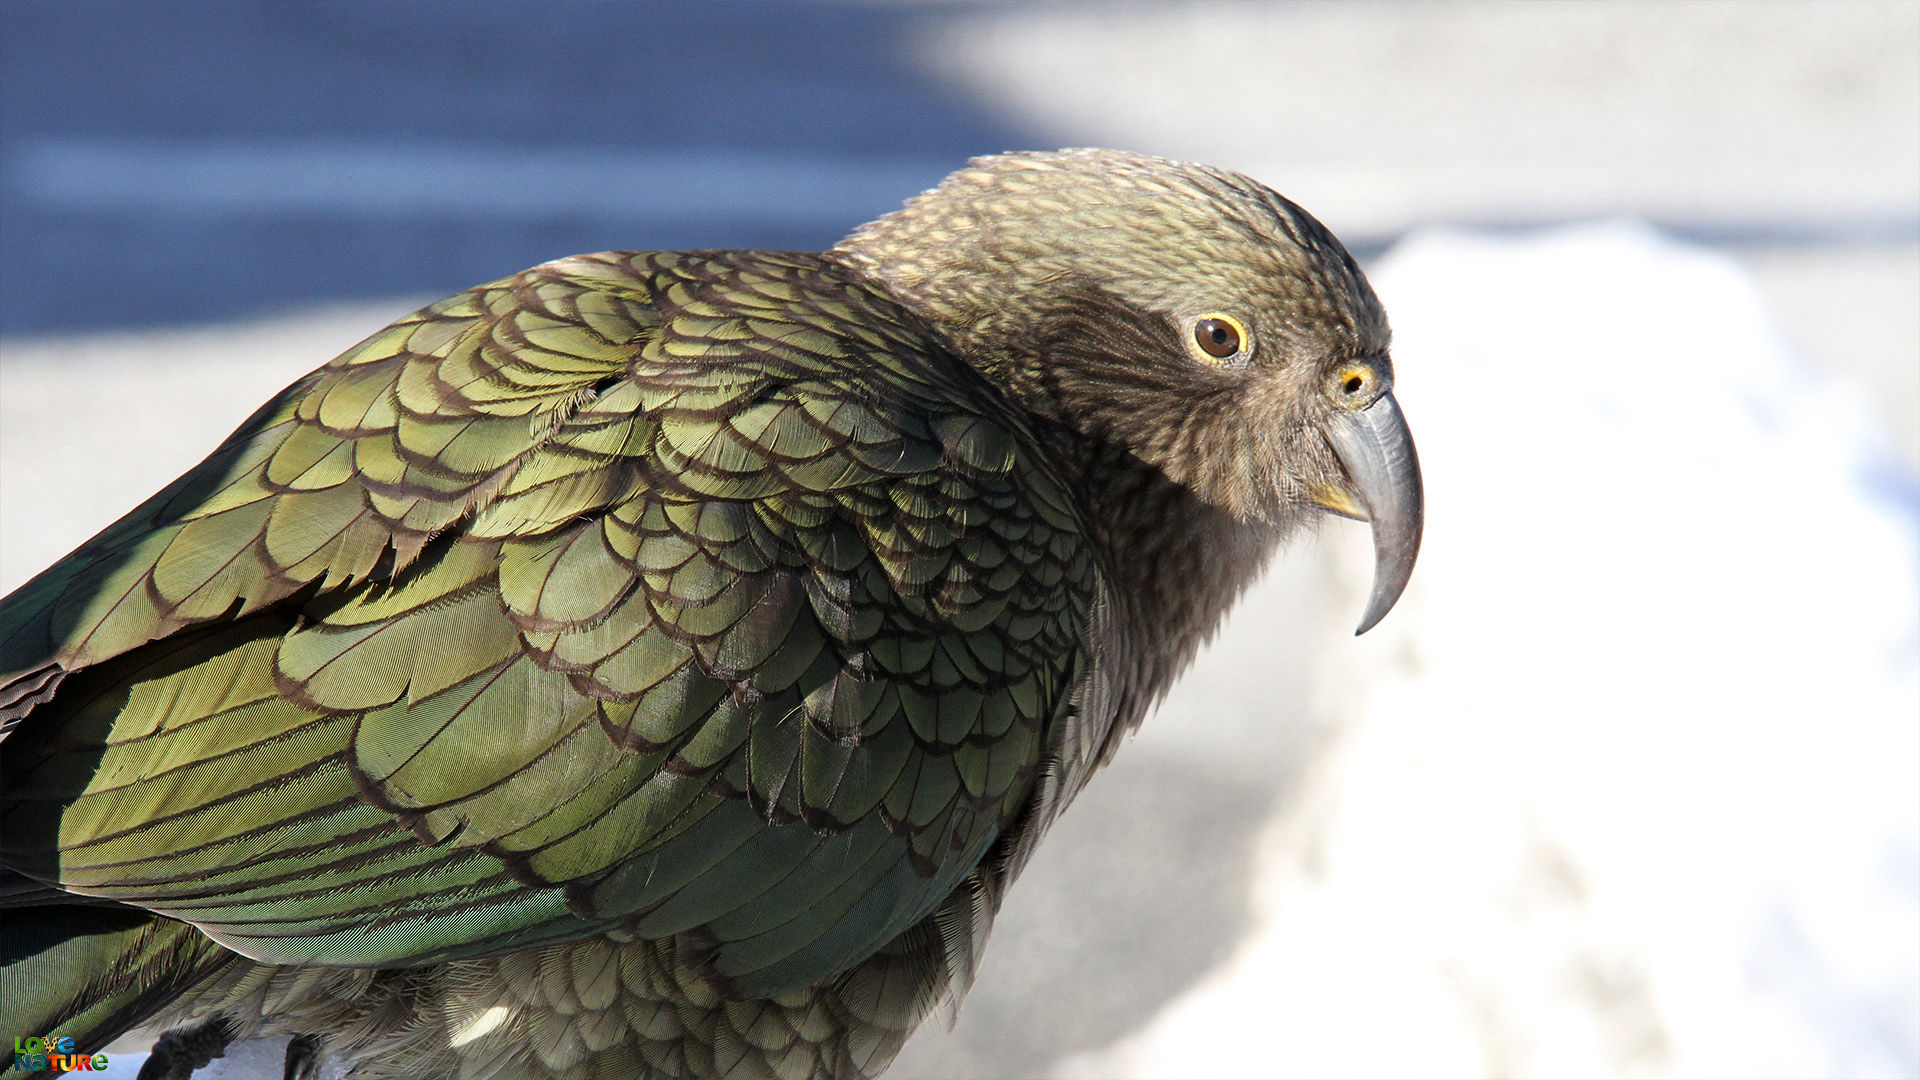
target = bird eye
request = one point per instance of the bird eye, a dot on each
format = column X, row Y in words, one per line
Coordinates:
column 1219, row 336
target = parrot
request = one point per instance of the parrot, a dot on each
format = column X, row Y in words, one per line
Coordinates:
column 660, row 663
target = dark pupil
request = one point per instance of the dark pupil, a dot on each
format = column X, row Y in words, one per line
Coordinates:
column 1216, row 337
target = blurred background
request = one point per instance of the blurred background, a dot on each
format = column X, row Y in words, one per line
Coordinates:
column 1630, row 783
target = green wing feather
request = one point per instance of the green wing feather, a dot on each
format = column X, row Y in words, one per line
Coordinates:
column 680, row 596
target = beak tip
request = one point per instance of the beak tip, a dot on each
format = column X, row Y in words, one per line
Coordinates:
column 1377, row 607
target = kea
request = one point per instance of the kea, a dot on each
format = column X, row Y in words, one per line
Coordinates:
column 659, row 664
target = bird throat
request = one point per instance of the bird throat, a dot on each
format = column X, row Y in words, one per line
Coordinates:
column 1175, row 565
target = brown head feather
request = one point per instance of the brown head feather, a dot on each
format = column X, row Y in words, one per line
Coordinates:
column 1073, row 281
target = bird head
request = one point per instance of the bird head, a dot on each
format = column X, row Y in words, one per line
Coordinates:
column 1188, row 314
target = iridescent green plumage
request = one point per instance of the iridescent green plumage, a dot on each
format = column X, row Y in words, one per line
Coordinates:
column 651, row 663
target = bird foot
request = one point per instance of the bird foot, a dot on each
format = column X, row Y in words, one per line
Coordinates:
column 303, row 1058
column 179, row 1052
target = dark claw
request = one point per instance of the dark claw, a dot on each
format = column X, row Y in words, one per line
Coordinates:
column 303, row 1058
column 180, row 1051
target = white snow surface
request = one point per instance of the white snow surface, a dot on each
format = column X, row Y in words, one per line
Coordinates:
column 1629, row 783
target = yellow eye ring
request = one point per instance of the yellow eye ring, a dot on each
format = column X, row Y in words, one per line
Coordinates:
column 1220, row 336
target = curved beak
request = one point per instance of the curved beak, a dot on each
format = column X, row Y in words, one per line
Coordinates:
column 1377, row 450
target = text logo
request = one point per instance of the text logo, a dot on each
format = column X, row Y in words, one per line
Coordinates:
column 37, row 1053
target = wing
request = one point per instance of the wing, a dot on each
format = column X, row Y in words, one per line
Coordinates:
column 675, row 596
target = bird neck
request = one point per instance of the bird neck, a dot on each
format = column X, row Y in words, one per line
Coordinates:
column 1174, row 563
